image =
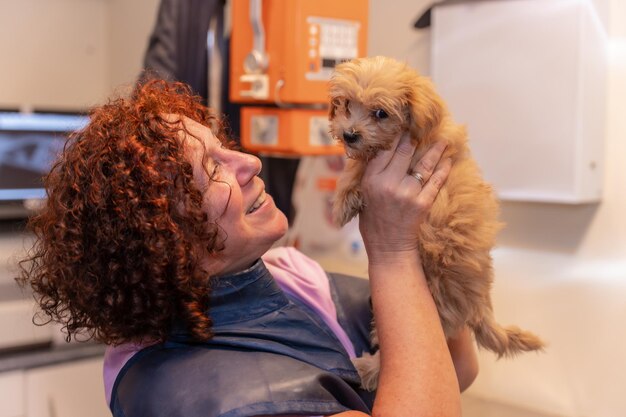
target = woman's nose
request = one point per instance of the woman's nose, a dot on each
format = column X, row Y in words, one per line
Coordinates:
column 247, row 167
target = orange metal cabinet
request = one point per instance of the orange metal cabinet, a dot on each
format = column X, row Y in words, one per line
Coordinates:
column 304, row 39
column 287, row 131
column 284, row 56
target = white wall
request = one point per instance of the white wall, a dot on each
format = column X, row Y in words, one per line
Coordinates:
column 560, row 269
column 69, row 54
column 130, row 24
column 391, row 32
column 54, row 53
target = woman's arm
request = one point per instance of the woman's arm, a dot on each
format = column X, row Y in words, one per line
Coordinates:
column 463, row 352
column 417, row 376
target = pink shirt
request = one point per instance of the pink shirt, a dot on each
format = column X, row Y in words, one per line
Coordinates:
column 297, row 275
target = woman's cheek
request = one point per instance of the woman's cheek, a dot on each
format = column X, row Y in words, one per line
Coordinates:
column 216, row 200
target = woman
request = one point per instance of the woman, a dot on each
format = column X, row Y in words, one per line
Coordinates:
column 151, row 242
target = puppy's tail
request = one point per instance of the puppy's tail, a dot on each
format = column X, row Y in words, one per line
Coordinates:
column 508, row 341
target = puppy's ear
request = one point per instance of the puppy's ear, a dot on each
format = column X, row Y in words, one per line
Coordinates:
column 332, row 108
column 426, row 110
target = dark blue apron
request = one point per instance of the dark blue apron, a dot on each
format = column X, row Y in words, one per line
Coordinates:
column 270, row 355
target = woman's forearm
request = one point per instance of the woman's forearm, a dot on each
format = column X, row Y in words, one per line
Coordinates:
column 417, row 376
column 464, row 357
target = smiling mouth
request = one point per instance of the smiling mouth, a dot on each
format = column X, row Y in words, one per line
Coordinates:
column 257, row 203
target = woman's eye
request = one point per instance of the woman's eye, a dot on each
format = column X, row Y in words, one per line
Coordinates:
column 380, row 114
column 216, row 168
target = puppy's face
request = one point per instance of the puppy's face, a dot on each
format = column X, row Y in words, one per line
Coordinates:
column 373, row 100
column 367, row 126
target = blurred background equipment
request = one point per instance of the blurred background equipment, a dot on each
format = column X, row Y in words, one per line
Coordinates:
column 282, row 55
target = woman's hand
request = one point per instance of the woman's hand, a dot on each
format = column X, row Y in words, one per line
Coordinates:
column 417, row 375
column 396, row 203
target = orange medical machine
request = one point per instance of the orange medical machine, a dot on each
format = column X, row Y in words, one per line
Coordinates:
column 281, row 57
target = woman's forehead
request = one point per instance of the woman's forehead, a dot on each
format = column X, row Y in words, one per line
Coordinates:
column 199, row 131
column 194, row 136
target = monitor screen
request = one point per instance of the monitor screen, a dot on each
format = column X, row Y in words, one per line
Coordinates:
column 29, row 143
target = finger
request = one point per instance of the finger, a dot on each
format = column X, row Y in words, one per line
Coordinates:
column 435, row 182
column 427, row 163
column 402, row 157
column 402, row 143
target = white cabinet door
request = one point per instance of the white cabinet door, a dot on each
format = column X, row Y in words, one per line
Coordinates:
column 72, row 389
column 12, row 394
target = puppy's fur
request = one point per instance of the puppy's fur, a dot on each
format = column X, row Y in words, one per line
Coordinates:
column 456, row 239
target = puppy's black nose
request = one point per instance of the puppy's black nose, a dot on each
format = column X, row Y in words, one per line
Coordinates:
column 350, row 137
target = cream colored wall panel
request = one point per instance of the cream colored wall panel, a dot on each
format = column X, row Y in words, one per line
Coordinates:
column 54, row 53
column 12, row 394
column 130, row 26
column 528, row 78
column 577, row 306
column 69, row 390
column 16, row 321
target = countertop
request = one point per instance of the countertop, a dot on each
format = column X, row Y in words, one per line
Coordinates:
column 50, row 355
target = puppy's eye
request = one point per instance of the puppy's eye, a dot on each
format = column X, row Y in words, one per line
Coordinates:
column 380, row 114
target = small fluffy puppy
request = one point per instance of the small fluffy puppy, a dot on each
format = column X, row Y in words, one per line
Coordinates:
column 373, row 100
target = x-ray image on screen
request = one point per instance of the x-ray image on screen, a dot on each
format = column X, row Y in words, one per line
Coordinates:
column 29, row 144
column 25, row 158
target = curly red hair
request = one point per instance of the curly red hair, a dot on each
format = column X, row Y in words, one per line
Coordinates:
column 118, row 243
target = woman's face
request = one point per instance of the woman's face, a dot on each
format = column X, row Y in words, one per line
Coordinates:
column 235, row 198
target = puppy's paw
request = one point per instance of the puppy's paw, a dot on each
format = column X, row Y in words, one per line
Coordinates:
column 368, row 367
column 347, row 204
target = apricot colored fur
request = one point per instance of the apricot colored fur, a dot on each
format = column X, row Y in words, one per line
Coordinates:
column 456, row 240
